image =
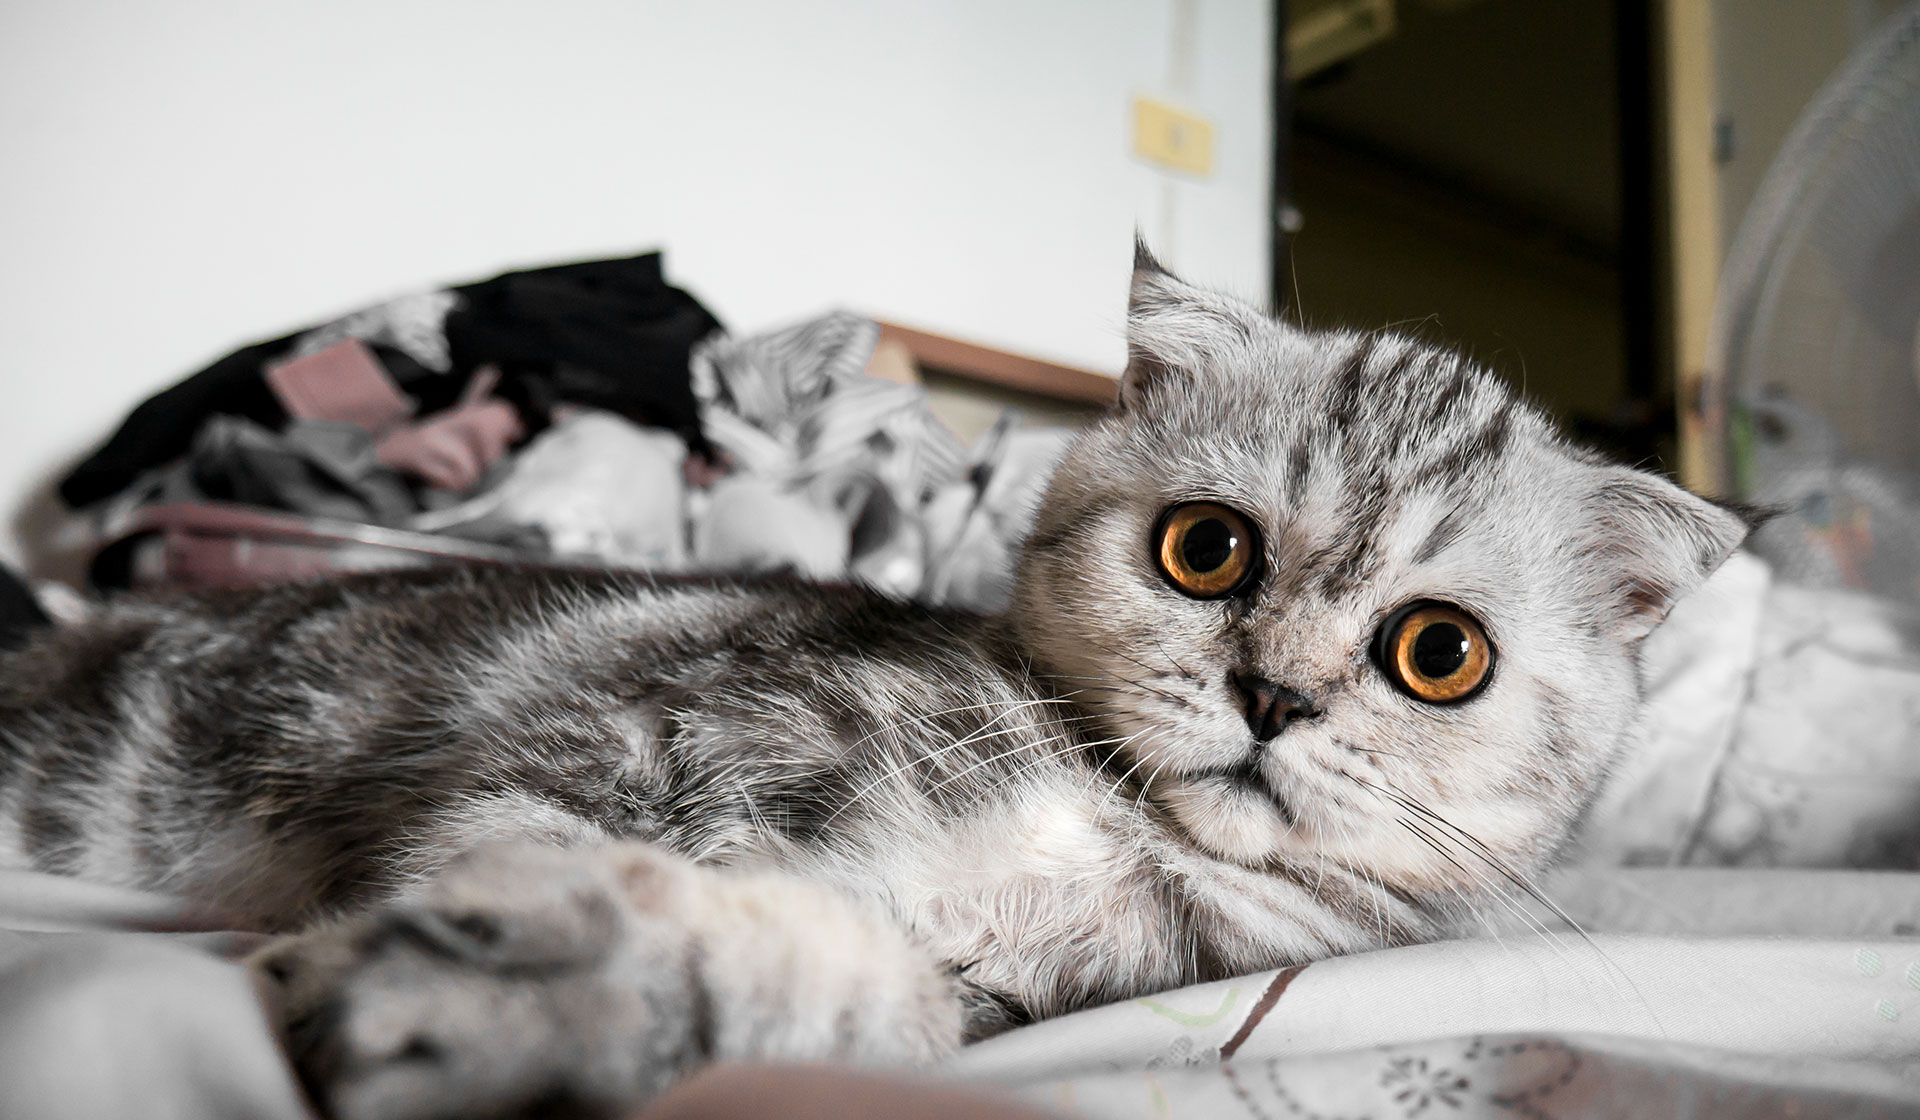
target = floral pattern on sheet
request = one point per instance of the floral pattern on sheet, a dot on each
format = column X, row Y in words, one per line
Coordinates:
column 1509, row 1078
column 1668, row 1022
column 1525, row 1077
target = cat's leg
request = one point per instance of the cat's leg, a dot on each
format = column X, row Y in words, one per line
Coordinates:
column 525, row 976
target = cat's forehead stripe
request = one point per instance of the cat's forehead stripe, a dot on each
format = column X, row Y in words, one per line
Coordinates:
column 1348, row 383
column 1458, row 461
column 1448, row 398
column 1444, row 532
column 1390, row 418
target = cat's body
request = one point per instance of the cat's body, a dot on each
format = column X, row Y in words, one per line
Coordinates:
column 1198, row 745
column 317, row 748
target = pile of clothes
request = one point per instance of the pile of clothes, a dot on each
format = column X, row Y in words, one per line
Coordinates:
column 593, row 413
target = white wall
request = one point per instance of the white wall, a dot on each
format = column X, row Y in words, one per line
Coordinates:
column 185, row 177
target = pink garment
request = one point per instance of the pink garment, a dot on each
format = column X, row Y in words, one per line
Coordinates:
column 452, row 450
column 344, row 383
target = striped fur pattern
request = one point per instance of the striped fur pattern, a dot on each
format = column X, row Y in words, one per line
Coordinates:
column 555, row 839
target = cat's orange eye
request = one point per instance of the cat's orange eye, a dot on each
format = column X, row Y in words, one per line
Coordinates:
column 1435, row 652
column 1207, row 550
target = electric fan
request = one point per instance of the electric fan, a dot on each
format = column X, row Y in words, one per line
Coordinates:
column 1816, row 336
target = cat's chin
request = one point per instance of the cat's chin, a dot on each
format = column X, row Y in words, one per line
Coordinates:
column 1228, row 820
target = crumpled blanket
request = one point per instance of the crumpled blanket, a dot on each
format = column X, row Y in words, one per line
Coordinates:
column 809, row 433
column 827, row 473
column 1697, row 993
column 922, row 516
column 1781, row 729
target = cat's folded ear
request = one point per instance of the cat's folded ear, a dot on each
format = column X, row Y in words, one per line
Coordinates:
column 1653, row 542
column 1175, row 331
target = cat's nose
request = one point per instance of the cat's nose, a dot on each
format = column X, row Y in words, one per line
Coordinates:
column 1271, row 707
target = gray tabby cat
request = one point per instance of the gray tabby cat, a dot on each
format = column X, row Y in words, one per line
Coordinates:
column 1319, row 640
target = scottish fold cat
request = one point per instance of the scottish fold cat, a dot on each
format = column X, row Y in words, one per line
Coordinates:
column 1320, row 641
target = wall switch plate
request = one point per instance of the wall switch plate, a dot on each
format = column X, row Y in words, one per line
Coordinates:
column 1172, row 138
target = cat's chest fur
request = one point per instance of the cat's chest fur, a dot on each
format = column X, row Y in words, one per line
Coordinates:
column 1044, row 895
column 1065, row 894
column 1058, row 886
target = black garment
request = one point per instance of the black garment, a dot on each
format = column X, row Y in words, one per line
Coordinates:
column 612, row 334
column 162, row 428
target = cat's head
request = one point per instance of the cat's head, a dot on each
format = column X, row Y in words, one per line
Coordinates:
column 1340, row 596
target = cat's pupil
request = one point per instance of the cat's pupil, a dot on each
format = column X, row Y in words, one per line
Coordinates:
column 1440, row 650
column 1208, row 545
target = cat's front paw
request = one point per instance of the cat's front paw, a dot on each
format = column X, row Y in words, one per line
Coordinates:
column 585, row 981
column 520, row 977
